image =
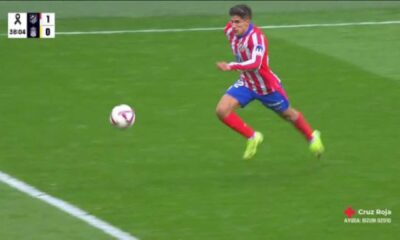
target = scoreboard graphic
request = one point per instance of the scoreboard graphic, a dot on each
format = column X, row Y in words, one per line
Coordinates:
column 31, row 25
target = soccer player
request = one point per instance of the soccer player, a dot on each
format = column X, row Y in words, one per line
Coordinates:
column 256, row 82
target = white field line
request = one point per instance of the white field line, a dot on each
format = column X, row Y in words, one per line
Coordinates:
column 66, row 207
column 220, row 28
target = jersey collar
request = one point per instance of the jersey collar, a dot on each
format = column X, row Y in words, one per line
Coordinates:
column 251, row 26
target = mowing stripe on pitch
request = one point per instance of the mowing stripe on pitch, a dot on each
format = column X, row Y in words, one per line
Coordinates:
column 220, row 28
column 66, row 207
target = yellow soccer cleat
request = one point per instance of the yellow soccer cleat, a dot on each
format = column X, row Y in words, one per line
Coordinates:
column 252, row 145
column 316, row 146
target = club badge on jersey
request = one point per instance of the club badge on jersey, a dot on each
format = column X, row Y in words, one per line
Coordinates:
column 259, row 50
column 241, row 47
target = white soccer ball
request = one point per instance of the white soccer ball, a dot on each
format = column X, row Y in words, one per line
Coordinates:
column 122, row 116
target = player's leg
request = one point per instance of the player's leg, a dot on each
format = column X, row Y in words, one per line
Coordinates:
column 226, row 113
column 278, row 102
column 298, row 121
column 313, row 136
column 238, row 96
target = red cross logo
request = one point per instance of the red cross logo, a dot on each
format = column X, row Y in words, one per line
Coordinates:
column 349, row 212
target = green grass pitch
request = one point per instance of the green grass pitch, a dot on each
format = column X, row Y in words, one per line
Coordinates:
column 178, row 173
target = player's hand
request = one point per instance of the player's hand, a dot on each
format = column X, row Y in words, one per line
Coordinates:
column 223, row 66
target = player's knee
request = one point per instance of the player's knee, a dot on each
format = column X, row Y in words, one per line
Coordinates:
column 291, row 118
column 290, row 115
column 221, row 112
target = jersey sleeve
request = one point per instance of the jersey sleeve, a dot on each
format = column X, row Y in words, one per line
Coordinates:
column 257, row 49
column 228, row 31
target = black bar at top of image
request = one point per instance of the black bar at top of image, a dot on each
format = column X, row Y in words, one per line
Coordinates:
column 33, row 24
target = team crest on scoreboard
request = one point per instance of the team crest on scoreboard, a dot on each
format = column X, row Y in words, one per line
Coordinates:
column 31, row 25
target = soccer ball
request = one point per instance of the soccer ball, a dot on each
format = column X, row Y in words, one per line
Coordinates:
column 122, row 116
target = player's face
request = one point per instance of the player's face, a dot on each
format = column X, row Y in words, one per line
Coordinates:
column 239, row 25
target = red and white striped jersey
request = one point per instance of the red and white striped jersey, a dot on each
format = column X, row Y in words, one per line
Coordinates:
column 251, row 52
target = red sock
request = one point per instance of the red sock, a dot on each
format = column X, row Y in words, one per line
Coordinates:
column 302, row 125
column 237, row 124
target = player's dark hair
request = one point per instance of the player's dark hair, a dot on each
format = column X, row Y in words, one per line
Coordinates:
column 241, row 10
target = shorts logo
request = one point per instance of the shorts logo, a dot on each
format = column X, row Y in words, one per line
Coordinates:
column 275, row 104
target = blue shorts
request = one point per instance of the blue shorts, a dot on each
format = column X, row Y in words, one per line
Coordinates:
column 275, row 101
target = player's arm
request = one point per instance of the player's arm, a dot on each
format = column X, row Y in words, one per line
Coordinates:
column 223, row 66
column 253, row 63
column 228, row 30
